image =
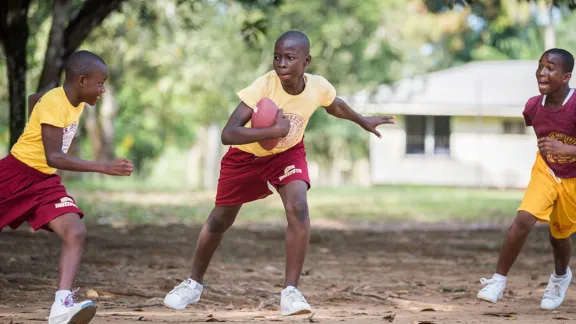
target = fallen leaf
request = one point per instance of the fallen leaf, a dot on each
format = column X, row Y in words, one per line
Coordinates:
column 91, row 293
column 428, row 310
column 423, row 322
column 141, row 318
column 138, row 310
column 389, row 316
column 561, row 318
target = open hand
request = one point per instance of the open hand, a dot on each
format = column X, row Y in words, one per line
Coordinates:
column 119, row 167
column 551, row 146
column 370, row 123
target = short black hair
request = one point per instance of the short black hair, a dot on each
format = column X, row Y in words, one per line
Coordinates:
column 567, row 58
column 298, row 36
column 81, row 63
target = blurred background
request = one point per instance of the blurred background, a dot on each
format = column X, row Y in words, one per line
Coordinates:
column 455, row 73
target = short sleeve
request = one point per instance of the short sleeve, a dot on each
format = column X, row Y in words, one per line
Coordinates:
column 530, row 110
column 326, row 91
column 254, row 92
column 50, row 112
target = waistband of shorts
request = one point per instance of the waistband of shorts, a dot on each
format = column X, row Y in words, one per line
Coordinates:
column 299, row 147
column 26, row 169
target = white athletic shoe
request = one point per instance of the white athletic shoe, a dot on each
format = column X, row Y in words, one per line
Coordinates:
column 68, row 311
column 188, row 292
column 493, row 289
column 293, row 303
column 556, row 291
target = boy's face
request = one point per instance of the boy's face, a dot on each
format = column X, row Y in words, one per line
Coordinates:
column 550, row 74
column 92, row 84
column 290, row 60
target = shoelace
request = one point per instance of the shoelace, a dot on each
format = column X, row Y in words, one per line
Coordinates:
column 552, row 291
column 184, row 290
column 69, row 300
column 485, row 281
column 295, row 295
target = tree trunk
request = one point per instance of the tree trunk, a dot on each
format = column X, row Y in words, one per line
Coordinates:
column 81, row 23
column 53, row 63
column 14, row 35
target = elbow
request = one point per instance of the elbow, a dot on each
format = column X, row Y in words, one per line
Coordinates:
column 226, row 138
column 52, row 160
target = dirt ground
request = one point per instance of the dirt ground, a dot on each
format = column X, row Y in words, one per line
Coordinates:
column 415, row 274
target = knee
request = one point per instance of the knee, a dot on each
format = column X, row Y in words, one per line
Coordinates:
column 219, row 223
column 523, row 222
column 75, row 235
column 297, row 212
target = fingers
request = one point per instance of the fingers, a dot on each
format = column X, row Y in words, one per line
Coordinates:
column 388, row 120
column 375, row 132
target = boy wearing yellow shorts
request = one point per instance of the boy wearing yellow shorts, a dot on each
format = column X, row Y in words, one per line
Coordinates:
column 551, row 194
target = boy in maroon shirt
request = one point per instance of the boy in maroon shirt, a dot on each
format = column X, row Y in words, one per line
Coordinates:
column 551, row 194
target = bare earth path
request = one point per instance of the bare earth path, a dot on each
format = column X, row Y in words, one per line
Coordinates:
column 416, row 275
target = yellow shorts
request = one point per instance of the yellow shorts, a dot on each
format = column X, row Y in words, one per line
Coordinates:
column 551, row 199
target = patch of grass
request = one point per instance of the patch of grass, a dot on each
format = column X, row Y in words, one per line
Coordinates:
column 401, row 203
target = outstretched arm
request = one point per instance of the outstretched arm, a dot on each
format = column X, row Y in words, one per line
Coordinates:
column 340, row 109
column 52, row 140
column 234, row 133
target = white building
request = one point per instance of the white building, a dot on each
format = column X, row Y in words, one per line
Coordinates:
column 458, row 127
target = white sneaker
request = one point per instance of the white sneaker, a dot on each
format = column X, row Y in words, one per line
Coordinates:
column 188, row 292
column 68, row 311
column 293, row 303
column 556, row 291
column 493, row 289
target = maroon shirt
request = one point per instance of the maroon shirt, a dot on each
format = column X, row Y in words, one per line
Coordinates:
column 559, row 124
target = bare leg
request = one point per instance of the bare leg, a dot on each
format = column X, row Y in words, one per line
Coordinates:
column 514, row 241
column 73, row 234
column 294, row 197
column 220, row 219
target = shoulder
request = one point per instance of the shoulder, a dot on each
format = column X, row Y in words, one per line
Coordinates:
column 317, row 79
column 533, row 102
column 53, row 97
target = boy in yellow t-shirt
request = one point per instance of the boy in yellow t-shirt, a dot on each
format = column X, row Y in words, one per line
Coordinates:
column 247, row 168
column 31, row 191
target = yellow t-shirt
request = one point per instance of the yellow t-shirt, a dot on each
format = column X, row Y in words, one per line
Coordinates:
column 52, row 109
column 297, row 108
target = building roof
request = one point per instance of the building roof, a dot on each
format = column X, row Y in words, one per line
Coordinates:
column 483, row 88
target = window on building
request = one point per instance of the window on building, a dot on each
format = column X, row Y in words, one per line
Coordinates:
column 513, row 127
column 429, row 135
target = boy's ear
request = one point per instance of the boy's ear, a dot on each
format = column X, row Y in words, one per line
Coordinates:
column 307, row 60
column 82, row 80
column 567, row 77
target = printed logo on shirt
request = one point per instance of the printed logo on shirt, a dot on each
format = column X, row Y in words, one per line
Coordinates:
column 564, row 139
column 68, row 135
column 296, row 129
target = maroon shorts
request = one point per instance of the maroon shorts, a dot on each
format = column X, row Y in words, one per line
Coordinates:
column 27, row 194
column 244, row 177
